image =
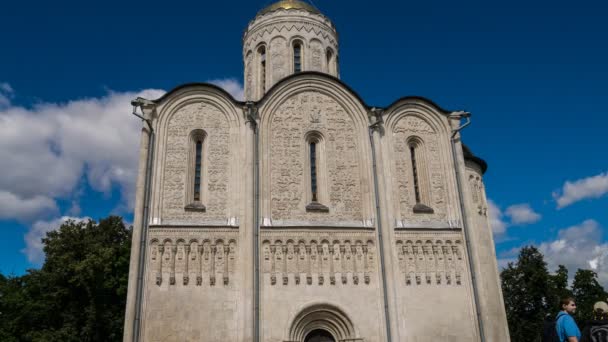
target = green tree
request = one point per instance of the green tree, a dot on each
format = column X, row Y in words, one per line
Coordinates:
column 525, row 286
column 558, row 288
column 586, row 290
column 79, row 293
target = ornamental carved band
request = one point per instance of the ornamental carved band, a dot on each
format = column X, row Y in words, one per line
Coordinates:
column 432, row 261
column 325, row 261
column 193, row 261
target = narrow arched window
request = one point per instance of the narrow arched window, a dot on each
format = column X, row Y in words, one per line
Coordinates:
column 313, row 169
column 262, row 78
column 316, row 181
column 415, row 173
column 419, row 177
column 297, row 57
column 195, row 181
column 197, row 170
column 330, row 56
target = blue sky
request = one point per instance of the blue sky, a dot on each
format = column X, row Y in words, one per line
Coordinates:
column 533, row 74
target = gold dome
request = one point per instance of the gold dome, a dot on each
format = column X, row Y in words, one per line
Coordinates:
column 290, row 4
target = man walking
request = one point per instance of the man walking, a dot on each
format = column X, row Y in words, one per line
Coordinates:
column 567, row 330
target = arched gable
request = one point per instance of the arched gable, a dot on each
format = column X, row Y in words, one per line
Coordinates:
column 290, row 112
column 419, row 120
column 190, row 108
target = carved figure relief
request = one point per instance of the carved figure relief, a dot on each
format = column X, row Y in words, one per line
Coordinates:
column 210, row 119
column 298, row 115
column 316, row 51
column 476, row 188
column 202, row 259
column 278, row 58
column 413, row 126
column 249, row 76
column 338, row 261
column 432, row 262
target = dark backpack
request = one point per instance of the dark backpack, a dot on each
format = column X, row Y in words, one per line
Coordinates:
column 550, row 329
column 599, row 334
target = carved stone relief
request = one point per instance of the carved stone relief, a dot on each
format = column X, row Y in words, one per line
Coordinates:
column 210, row 119
column 407, row 127
column 299, row 114
column 430, row 259
column 295, row 27
column 476, row 188
column 316, row 52
column 315, row 258
column 249, row 76
column 278, row 58
column 192, row 257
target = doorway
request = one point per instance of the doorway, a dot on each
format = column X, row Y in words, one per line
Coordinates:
column 319, row 335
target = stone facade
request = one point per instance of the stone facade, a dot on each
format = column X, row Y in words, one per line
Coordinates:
column 306, row 211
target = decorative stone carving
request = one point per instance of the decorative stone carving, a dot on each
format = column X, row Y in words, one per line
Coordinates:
column 278, row 58
column 288, row 157
column 263, row 33
column 431, row 257
column 406, row 128
column 316, row 51
column 350, row 255
column 249, row 76
column 206, row 255
column 476, row 189
column 216, row 155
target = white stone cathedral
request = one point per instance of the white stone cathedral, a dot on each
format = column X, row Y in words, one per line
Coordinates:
column 303, row 214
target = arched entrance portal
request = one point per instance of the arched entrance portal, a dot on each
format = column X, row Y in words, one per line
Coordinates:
column 322, row 323
column 319, row 335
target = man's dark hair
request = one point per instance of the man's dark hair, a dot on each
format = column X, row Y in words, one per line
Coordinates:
column 565, row 301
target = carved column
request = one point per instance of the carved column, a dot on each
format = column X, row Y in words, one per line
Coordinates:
column 284, row 266
column 199, row 274
column 212, row 265
column 173, row 257
column 226, row 251
column 273, row 276
column 159, row 273
column 353, row 250
column 343, row 272
column 332, row 276
column 320, row 266
column 186, row 269
column 309, row 266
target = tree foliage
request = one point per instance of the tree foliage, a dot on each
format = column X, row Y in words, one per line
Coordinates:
column 587, row 290
column 78, row 294
column 531, row 293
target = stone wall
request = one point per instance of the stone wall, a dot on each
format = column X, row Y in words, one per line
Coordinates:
column 192, row 285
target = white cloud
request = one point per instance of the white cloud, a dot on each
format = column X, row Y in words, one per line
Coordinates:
column 499, row 226
column 585, row 188
column 33, row 239
column 578, row 246
column 25, row 209
column 522, row 214
column 51, row 146
column 232, row 86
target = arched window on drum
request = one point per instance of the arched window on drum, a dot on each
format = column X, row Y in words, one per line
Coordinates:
column 297, row 56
